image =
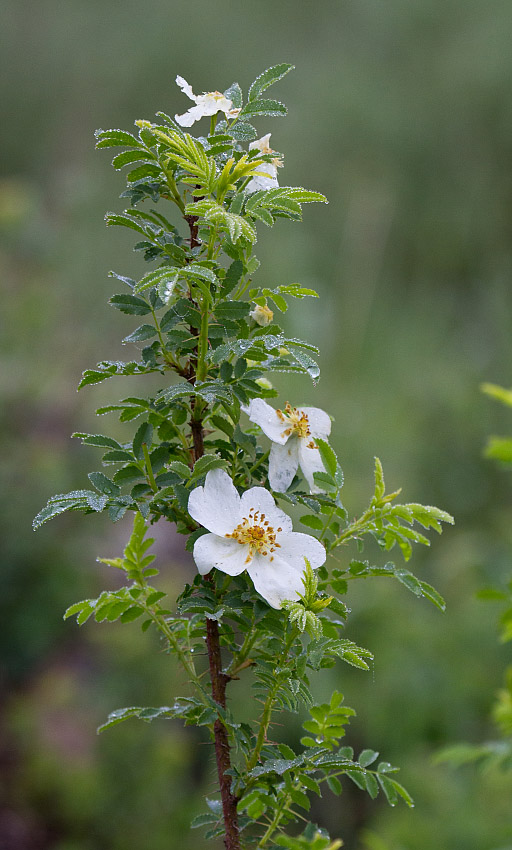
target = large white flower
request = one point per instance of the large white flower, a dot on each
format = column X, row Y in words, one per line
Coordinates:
column 208, row 103
column 262, row 181
column 293, row 432
column 250, row 532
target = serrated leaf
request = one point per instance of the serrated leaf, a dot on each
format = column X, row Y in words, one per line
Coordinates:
column 97, row 440
column 367, row 757
column 234, row 94
column 130, row 304
column 268, row 78
column 141, row 333
column 115, row 138
column 328, row 456
column 104, row 484
column 242, row 131
column 312, row 521
column 272, row 108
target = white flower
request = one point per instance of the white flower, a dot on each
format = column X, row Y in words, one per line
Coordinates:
column 208, row 103
column 268, row 168
column 293, row 432
column 262, row 314
column 250, row 532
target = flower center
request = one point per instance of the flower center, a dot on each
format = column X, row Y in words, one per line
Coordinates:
column 296, row 422
column 256, row 532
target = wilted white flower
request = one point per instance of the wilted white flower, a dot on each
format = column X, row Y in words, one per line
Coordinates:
column 250, row 532
column 268, row 168
column 262, row 314
column 293, row 432
column 208, row 103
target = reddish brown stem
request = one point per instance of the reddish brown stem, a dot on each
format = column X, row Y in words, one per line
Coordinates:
column 219, row 681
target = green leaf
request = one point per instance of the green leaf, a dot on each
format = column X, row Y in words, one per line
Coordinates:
column 124, row 220
column 128, row 157
column 328, row 456
column 167, row 274
column 497, row 392
column 82, row 500
column 116, row 138
column 380, row 487
column 180, row 468
column 264, row 107
column 140, row 712
column 297, row 291
column 233, row 275
column 104, row 484
column 148, row 169
column 97, row 440
column 334, row 784
column 268, row 78
column 141, row 333
column 242, row 131
column 312, row 521
column 207, row 462
column 234, row 94
column 130, row 304
column 132, row 614
column 144, row 434
column 367, row 757
column 499, row 448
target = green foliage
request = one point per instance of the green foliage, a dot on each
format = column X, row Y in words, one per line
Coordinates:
column 212, row 352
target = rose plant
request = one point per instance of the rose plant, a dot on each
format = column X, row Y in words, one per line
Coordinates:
column 223, row 467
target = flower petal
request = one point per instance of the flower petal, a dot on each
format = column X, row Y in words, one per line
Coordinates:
column 190, row 117
column 283, row 464
column 275, row 580
column 260, row 182
column 211, row 551
column 216, row 506
column 319, row 422
column 261, row 500
column 266, row 417
column 185, row 87
column 310, row 462
column 296, row 546
column 262, row 144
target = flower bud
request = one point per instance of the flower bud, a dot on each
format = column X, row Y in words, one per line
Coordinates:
column 262, row 314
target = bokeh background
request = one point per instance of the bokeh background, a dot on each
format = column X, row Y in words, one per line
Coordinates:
column 401, row 112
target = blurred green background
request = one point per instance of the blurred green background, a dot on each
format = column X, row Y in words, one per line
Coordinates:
column 401, row 112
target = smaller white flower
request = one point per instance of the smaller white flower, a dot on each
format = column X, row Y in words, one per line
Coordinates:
column 208, row 103
column 250, row 532
column 262, row 315
column 293, row 432
column 268, row 178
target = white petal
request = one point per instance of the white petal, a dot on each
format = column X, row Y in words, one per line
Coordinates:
column 211, row 103
column 283, row 464
column 216, row 506
column 296, row 546
column 265, row 416
column 262, row 144
column 211, row 551
column 310, row 462
column 260, row 182
column 261, row 500
column 275, row 580
column 190, row 117
column 185, row 87
column 319, row 422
